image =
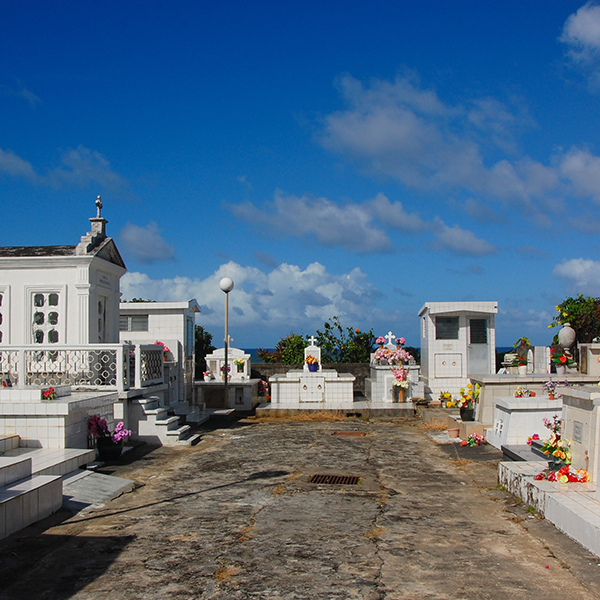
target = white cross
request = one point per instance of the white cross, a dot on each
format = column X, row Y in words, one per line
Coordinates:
column 312, row 340
column 229, row 339
column 389, row 337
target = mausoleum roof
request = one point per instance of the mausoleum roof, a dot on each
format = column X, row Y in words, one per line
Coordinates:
column 437, row 308
column 27, row 251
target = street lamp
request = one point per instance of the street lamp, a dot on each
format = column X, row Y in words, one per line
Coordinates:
column 226, row 285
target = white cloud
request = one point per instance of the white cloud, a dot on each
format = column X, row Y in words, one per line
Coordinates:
column 393, row 214
column 285, row 298
column 436, row 146
column 348, row 226
column 461, row 241
column 145, row 243
column 582, row 170
column 581, row 33
column 13, row 165
column 582, row 275
column 82, row 167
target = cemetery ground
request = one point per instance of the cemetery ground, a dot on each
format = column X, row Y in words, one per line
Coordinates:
column 236, row 517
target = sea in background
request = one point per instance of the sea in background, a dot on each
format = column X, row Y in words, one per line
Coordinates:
column 253, row 352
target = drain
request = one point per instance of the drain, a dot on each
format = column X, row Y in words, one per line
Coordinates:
column 335, row 479
column 351, row 433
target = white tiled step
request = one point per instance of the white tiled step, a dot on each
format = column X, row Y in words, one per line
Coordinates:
column 54, row 461
column 178, row 432
column 8, row 441
column 13, row 468
column 27, row 501
column 170, row 423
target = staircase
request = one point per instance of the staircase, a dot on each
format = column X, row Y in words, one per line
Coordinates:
column 156, row 426
column 24, row 497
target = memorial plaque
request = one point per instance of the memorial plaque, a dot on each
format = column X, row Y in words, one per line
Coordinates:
column 578, row 432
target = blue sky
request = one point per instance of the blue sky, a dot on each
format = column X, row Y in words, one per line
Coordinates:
column 347, row 158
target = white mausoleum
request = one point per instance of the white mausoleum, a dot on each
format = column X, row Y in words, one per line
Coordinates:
column 458, row 339
column 61, row 294
column 173, row 324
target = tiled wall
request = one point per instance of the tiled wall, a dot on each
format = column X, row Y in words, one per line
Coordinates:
column 61, row 423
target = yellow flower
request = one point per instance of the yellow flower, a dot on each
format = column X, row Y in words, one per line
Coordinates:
column 469, row 385
column 565, row 314
column 557, row 308
column 557, row 453
column 563, row 479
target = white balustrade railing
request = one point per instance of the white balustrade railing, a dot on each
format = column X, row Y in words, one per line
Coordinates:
column 106, row 366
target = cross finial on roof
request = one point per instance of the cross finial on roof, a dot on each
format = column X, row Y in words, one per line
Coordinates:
column 312, row 340
column 389, row 337
column 99, row 207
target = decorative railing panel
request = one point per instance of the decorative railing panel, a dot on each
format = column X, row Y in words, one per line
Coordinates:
column 151, row 364
column 105, row 366
column 9, row 367
column 93, row 368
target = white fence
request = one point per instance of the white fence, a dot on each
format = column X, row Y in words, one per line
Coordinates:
column 106, row 366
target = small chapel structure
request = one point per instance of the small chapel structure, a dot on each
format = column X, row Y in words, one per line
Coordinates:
column 62, row 294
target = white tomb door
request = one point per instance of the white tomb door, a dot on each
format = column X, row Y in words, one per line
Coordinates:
column 479, row 348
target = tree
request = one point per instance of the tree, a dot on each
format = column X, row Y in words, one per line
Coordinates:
column 344, row 345
column 583, row 313
column 202, row 347
column 289, row 350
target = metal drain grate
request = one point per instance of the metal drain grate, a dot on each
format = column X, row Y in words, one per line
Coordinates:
column 351, row 433
column 335, row 479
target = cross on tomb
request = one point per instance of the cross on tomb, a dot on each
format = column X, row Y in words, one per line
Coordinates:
column 312, row 340
column 389, row 337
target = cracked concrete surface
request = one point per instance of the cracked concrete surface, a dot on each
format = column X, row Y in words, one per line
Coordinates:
column 235, row 517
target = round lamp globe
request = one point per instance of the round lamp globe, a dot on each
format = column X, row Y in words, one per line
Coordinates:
column 226, row 284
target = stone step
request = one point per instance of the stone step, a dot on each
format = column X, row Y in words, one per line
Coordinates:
column 27, row 501
column 54, row 461
column 9, row 441
column 13, row 468
column 159, row 414
column 190, row 440
column 178, row 433
column 170, row 423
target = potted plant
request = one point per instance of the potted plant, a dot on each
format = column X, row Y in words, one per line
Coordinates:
column 467, row 400
column 399, row 384
column 555, row 447
column 550, row 388
column 523, row 393
column 165, row 348
column 313, row 363
column 49, row 394
column 561, row 359
column 521, row 363
column 239, row 363
column 208, row 375
column 109, row 445
column 447, row 400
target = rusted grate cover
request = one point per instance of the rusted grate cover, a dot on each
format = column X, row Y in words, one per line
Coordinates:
column 335, row 479
column 351, row 433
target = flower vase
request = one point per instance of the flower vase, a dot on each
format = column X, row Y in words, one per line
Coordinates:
column 240, row 368
column 467, row 414
column 522, row 369
column 551, row 396
column 566, row 336
column 313, row 368
column 108, row 451
column 555, row 464
column 398, row 393
column 561, row 369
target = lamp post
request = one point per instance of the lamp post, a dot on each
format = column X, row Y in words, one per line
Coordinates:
column 226, row 285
